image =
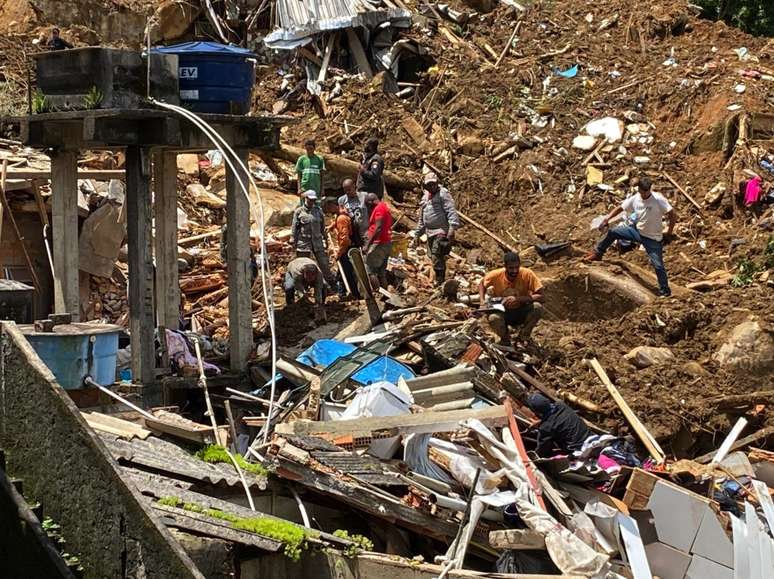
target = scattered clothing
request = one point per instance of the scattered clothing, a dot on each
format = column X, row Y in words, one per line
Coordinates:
column 753, row 192
column 309, row 170
column 370, row 179
column 180, row 355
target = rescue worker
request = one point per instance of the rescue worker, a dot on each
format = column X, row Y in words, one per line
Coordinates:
column 354, row 202
column 519, row 291
column 370, row 174
column 308, row 233
column 310, row 169
column 342, row 231
column 301, row 275
column 378, row 243
column 560, row 426
column 438, row 219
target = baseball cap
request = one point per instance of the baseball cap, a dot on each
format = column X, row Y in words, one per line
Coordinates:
column 310, row 194
column 431, row 178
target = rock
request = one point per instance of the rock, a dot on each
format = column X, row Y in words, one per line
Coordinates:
column 278, row 207
column 471, row 145
column 642, row 160
column 645, row 356
column 204, row 197
column 749, row 347
column 715, row 195
column 188, row 163
column 694, row 369
column 174, row 18
column 584, row 142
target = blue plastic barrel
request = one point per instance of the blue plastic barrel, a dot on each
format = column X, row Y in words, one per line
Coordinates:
column 214, row 78
column 74, row 351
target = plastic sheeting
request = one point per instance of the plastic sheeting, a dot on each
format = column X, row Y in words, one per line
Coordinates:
column 378, row 399
column 383, row 369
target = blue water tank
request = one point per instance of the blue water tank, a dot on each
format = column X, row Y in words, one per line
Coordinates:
column 74, row 351
column 214, row 78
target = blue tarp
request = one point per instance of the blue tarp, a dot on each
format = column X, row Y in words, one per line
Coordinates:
column 202, row 48
column 326, row 352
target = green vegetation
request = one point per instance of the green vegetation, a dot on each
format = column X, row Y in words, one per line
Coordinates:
column 747, row 268
column 753, row 16
column 215, row 453
column 360, row 542
column 54, row 532
column 292, row 536
column 93, row 99
column 39, row 102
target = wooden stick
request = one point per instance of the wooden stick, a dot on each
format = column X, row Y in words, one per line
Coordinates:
column 7, row 208
column 646, row 437
column 529, row 467
column 197, row 238
column 231, row 424
column 203, row 382
column 742, row 442
column 681, row 190
column 483, row 229
column 508, row 44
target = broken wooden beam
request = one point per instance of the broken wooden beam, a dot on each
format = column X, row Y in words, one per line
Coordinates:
column 644, row 435
column 423, row 422
column 518, row 539
column 343, row 166
column 483, row 229
column 739, row 444
column 685, row 194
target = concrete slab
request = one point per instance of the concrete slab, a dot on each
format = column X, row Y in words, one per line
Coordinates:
column 712, row 542
column 677, row 515
column 667, row 562
column 702, row 568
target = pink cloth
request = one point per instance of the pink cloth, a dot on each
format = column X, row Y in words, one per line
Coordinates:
column 608, row 464
column 752, row 193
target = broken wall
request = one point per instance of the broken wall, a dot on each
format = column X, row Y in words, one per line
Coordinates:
column 66, row 467
column 115, row 23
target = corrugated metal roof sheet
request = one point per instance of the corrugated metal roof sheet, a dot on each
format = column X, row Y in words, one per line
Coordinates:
column 161, row 455
column 301, row 19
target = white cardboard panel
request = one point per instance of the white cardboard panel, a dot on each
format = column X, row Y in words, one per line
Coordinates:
column 712, row 542
column 702, row 568
column 677, row 514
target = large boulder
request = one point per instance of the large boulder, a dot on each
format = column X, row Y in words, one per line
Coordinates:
column 173, row 18
column 645, row 356
column 748, row 347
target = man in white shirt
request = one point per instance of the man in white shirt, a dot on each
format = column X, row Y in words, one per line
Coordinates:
column 645, row 213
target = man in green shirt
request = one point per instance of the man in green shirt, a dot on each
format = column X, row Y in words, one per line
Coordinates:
column 310, row 169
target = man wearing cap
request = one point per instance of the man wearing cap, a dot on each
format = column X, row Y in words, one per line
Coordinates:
column 561, row 429
column 438, row 219
column 308, row 233
column 310, row 169
column 379, row 240
column 519, row 291
column 302, row 274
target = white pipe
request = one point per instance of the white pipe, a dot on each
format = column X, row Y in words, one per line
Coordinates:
column 301, row 507
column 109, row 392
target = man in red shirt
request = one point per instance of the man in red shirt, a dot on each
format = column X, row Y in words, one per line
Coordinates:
column 379, row 240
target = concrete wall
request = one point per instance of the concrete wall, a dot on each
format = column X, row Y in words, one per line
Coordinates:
column 114, row 24
column 68, row 469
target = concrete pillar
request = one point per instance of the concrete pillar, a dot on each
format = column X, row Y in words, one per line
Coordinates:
column 138, row 222
column 165, row 213
column 64, row 191
column 239, row 275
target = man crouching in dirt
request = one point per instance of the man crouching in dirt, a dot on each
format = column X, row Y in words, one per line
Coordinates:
column 304, row 273
column 519, row 291
column 644, row 214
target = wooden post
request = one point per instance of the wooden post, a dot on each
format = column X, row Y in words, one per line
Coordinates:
column 240, row 313
column 138, row 221
column 165, row 211
column 359, row 53
column 64, row 209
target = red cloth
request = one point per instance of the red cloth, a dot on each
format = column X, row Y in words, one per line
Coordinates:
column 381, row 211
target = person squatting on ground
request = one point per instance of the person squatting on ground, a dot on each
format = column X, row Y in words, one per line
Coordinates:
column 519, row 291
column 302, row 274
column 437, row 219
column 378, row 243
column 308, row 234
column 342, row 231
column 645, row 212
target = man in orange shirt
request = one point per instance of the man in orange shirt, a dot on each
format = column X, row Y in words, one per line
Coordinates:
column 519, row 291
column 341, row 229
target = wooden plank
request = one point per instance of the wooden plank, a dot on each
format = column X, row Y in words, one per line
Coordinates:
column 359, row 53
column 165, row 209
column 522, row 450
column 422, row 422
column 685, row 194
column 645, row 436
column 138, row 225
column 313, row 404
column 64, row 211
column 240, row 313
column 518, row 539
column 483, row 229
column 327, row 57
column 19, row 237
column 95, row 174
column 741, row 443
